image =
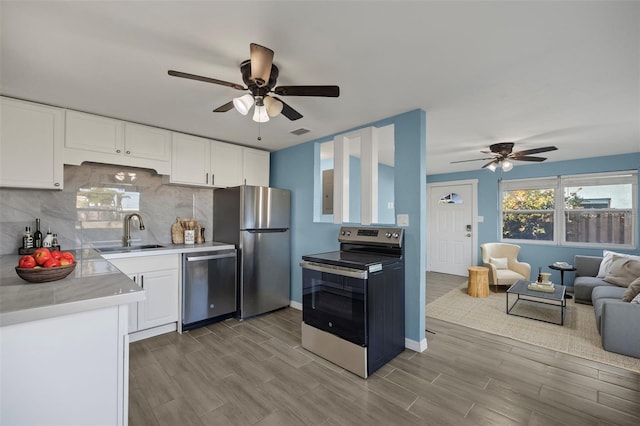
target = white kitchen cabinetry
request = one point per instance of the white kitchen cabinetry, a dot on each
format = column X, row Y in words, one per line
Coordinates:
column 105, row 140
column 190, row 160
column 67, row 370
column 31, row 144
column 226, row 164
column 159, row 276
column 198, row 161
column 256, row 167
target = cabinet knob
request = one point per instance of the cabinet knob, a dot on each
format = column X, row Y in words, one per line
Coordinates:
column 56, row 184
column 128, row 152
column 118, row 151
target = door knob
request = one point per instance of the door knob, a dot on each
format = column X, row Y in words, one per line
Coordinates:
column 468, row 235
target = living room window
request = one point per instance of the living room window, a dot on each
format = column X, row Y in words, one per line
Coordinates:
column 579, row 210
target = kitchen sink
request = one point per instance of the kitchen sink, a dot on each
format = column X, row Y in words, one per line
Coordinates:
column 128, row 248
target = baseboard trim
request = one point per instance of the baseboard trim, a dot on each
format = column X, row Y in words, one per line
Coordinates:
column 416, row 346
column 151, row 332
column 295, row 305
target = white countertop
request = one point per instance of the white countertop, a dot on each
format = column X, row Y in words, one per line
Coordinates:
column 94, row 284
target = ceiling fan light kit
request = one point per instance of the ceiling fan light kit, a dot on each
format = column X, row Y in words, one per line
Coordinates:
column 259, row 73
column 243, row 103
column 502, row 156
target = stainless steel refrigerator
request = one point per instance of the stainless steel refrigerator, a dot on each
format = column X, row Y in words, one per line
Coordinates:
column 256, row 219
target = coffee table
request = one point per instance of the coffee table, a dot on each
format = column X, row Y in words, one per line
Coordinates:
column 532, row 297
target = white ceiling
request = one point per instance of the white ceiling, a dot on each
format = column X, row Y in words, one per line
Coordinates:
column 562, row 73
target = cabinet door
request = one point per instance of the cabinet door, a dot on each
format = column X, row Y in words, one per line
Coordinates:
column 190, row 160
column 31, row 143
column 256, row 167
column 226, row 164
column 161, row 304
column 94, row 133
column 147, row 142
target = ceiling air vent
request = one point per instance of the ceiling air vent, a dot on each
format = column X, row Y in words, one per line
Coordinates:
column 300, row 131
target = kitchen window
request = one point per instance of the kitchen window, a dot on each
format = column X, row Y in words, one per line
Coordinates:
column 579, row 210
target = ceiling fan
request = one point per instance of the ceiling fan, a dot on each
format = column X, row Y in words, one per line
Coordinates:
column 259, row 73
column 502, row 154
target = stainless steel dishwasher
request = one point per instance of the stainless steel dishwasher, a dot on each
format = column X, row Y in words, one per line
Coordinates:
column 209, row 287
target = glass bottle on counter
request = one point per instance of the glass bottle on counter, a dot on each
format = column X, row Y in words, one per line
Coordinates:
column 37, row 235
column 48, row 239
column 27, row 238
column 55, row 245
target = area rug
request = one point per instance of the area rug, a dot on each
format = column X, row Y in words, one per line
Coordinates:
column 578, row 336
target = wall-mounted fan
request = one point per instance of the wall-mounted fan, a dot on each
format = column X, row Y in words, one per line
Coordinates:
column 502, row 154
column 259, row 73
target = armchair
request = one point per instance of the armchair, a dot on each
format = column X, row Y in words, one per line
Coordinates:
column 504, row 274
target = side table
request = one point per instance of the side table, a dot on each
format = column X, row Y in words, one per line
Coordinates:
column 478, row 281
column 562, row 271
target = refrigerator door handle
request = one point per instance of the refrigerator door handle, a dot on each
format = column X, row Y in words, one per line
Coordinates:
column 260, row 231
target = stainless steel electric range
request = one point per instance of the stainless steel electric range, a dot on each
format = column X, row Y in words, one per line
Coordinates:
column 353, row 299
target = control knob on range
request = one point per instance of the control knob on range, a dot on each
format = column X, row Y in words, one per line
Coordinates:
column 396, row 235
column 388, row 235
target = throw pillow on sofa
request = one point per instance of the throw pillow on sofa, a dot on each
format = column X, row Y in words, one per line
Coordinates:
column 623, row 271
column 632, row 291
column 636, row 299
column 607, row 259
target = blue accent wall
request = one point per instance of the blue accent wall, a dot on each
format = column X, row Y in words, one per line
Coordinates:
column 294, row 169
column 535, row 254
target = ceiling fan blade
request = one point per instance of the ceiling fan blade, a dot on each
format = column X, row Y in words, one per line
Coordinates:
column 490, row 163
column 475, row 159
column 527, row 158
column 536, row 150
column 326, row 91
column 287, row 111
column 224, row 108
column 206, row 79
column 261, row 61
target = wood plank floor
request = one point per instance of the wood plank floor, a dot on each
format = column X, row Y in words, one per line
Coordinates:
column 256, row 372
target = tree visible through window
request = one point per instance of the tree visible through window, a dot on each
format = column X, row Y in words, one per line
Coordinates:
column 596, row 209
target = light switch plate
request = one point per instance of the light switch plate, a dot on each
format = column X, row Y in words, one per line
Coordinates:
column 402, row 219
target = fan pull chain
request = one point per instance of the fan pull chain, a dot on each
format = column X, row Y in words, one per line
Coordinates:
column 259, row 138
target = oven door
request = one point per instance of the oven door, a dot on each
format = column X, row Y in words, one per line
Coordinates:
column 334, row 300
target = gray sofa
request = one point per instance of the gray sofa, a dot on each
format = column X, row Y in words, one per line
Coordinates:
column 617, row 321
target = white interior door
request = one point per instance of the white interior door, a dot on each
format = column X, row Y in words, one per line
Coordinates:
column 451, row 227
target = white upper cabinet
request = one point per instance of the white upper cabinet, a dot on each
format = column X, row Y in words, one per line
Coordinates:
column 226, row 164
column 31, row 143
column 105, row 140
column 198, row 161
column 190, row 160
column 256, row 167
column 147, row 142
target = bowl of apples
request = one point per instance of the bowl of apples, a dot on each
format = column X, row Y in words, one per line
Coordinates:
column 45, row 265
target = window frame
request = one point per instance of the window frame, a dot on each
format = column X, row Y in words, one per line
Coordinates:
column 559, row 184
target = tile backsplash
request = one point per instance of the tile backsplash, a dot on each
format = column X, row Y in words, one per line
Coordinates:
column 92, row 206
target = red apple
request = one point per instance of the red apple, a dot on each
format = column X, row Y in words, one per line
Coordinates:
column 41, row 255
column 65, row 262
column 69, row 256
column 56, row 254
column 51, row 263
column 26, row 262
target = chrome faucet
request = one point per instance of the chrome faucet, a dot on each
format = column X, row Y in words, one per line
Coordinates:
column 127, row 227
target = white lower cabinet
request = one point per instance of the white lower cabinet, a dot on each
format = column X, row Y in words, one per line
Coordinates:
column 159, row 276
column 67, row 370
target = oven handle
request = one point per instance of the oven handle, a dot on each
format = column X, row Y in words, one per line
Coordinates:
column 335, row 270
